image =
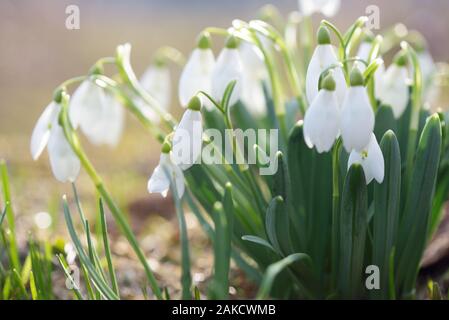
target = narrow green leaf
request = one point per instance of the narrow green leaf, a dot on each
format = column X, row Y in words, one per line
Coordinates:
column 386, row 210
column 260, row 241
column 384, row 121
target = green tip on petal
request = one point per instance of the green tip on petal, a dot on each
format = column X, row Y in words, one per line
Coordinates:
column 160, row 61
column 328, row 83
column 195, row 104
column 96, row 70
column 323, row 36
column 57, row 95
column 356, row 78
column 368, row 37
column 203, row 41
column 232, row 42
column 401, row 59
column 166, row 147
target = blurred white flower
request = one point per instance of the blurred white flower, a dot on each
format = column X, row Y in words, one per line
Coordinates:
column 327, row 7
column 428, row 67
column 64, row 163
column 394, row 89
column 321, row 122
column 42, row 220
column 187, row 139
column 357, row 117
column 371, row 159
column 228, row 68
column 156, row 81
column 159, row 181
column 254, row 75
column 323, row 57
column 197, row 73
column 97, row 113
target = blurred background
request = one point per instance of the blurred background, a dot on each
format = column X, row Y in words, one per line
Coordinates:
column 37, row 53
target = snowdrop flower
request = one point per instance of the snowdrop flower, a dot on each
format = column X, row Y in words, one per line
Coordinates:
column 323, row 57
column 327, row 7
column 228, row 68
column 156, row 80
column 428, row 67
column 357, row 117
column 371, row 159
column 197, row 73
column 254, row 74
column 187, row 139
column 159, row 181
column 97, row 113
column 321, row 122
column 64, row 163
column 393, row 87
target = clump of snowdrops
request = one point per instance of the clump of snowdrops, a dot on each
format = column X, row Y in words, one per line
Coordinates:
column 361, row 161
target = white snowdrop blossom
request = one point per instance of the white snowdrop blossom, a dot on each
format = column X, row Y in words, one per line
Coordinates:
column 64, row 163
column 165, row 172
column 394, row 89
column 321, row 121
column 357, row 116
column 227, row 69
column 327, row 7
column 371, row 159
column 254, row 75
column 427, row 65
column 323, row 57
column 187, row 139
column 97, row 113
column 156, row 81
column 197, row 73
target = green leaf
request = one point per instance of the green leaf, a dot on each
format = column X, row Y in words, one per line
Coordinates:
column 258, row 240
column 386, row 210
column 353, row 224
column 274, row 270
column 277, row 226
column 414, row 221
column 384, row 121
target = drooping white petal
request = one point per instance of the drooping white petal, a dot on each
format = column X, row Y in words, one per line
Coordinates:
column 156, row 80
column 111, row 124
column 378, row 79
column 357, row 119
column 363, row 53
column 196, row 76
column 254, row 75
column 327, row 7
column 64, row 163
column 187, row 140
column 323, row 57
column 321, row 122
column 427, row 66
column 371, row 159
column 146, row 110
column 394, row 89
column 41, row 132
column 159, row 182
column 228, row 68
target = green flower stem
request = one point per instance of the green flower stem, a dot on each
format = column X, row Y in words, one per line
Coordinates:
column 116, row 212
column 292, row 73
column 128, row 76
column 171, row 54
column 335, row 209
column 416, row 107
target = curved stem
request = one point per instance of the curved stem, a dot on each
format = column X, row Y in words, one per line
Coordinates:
column 96, row 179
column 335, row 208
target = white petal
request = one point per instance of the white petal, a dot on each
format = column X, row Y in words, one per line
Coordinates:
column 196, row 76
column 357, row 119
column 306, row 7
column 321, row 122
column 363, row 53
column 156, row 80
column 427, row 65
column 323, row 57
column 228, row 68
column 83, row 97
column 327, row 7
column 41, row 132
column 395, row 90
column 146, row 110
column 372, row 161
column 187, row 140
column 330, row 7
column 178, row 177
column 112, row 121
column 63, row 161
column 158, row 183
column 378, row 79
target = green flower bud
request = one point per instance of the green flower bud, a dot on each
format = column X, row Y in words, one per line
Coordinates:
column 203, row 41
column 328, row 83
column 323, row 36
column 401, row 59
column 232, row 42
column 356, row 78
column 57, row 94
column 194, row 104
column 166, row 147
